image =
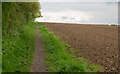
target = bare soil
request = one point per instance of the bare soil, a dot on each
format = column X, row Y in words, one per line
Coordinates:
column 96, row 43
column 38, row 64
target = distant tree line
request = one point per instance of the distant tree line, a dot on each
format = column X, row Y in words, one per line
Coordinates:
column 16, row 14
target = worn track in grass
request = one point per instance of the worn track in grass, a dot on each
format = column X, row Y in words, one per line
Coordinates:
column 96, row 43
column 38, row 64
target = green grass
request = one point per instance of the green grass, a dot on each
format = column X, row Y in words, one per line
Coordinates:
column 0, row 49
column 58, row 59
column 18, row 48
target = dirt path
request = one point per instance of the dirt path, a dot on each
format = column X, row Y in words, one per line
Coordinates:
column 96, row 43
column 38, row 64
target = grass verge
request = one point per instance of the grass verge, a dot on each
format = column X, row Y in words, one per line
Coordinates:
column 58, row 59
column 0, row 49
column 18, row 48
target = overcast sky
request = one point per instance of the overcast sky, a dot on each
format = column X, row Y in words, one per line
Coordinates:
column 80, row 12
column 79, row 0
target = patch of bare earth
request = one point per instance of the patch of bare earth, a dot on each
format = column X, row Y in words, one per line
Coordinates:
column 96, row 43
column 38, row 64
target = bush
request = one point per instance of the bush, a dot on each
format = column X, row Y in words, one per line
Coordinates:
column 114, row 25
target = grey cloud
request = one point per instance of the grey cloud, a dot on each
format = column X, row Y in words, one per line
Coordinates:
column 67, row 18
column 64, row 17
column 72, row 18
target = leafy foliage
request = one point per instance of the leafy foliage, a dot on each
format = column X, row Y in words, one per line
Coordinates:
column 114, row 25
column 15, row 14
column 18, row 48
column 18, row 35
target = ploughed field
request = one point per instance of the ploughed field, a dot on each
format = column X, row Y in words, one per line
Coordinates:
column 96, row 43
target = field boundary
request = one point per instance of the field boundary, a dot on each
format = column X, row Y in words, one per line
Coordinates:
column 58, row 59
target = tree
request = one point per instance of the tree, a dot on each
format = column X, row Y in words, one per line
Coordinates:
column 15, row 14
